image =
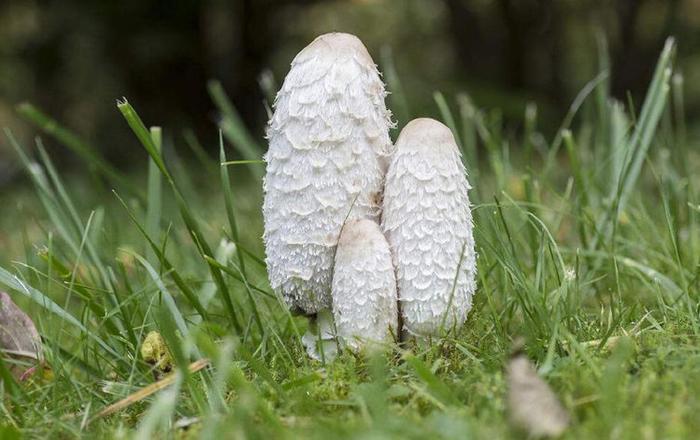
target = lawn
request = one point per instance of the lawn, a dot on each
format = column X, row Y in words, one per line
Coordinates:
column 588, row 246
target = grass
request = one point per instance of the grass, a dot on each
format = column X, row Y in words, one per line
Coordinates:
column 588, row 247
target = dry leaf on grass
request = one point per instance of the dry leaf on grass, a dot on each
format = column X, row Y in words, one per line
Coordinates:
column 19, row 339
column 533, row 406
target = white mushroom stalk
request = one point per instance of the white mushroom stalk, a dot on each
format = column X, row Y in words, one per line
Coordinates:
column 428, row 223
column 364, row 287
column 320, row 339
column 329, row 139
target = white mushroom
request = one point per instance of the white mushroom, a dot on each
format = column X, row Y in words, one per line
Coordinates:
column 364, row 287
column 329, row 140
column 428, row 223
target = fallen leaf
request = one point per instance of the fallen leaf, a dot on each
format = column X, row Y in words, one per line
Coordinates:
column 533, row 406
column 19, row 339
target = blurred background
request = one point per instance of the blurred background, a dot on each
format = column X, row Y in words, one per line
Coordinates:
column 74, row 58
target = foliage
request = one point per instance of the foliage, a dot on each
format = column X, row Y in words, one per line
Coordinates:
column 582, row 240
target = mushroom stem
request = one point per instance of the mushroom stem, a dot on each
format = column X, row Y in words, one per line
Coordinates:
column 320, row 338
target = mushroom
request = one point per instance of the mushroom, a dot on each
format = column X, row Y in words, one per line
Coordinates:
column 364, row 287
column 428, row 224
column 328, row 143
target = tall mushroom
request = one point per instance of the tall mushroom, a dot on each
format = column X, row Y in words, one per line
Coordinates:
column 364, row 287
column 428, row 223
column 328, row 143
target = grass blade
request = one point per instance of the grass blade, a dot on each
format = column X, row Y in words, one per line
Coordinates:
column 233, row 128
column 86, row 152
column 154, row 200
column 194, row 231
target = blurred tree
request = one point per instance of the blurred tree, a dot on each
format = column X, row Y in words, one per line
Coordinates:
column 517, row 41
column 639, row 40
column 73, row 58
column 526, row 43
column 82, row 55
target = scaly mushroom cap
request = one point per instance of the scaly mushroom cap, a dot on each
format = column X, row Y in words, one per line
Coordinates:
column 428, row 223
column 364, row 286
column 329, row 139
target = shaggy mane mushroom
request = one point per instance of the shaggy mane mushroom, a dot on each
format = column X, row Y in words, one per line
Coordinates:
column 364, row 287
column 428, row 224
column 328, row 148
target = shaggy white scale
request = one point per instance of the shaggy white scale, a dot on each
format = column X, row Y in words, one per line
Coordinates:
column 328, row 147
column 428, row 223
column 364, row 287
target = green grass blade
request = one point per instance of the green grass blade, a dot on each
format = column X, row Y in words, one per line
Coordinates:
column 193, row 143
column 168, row 300
column 86, row 152
column 234, row 129
column 143, row 135
column 229, row 203
column 155, row 203
column 468, row 115
column 193, row 229
column 167, row 266
column 14, row 283
column 636, row 148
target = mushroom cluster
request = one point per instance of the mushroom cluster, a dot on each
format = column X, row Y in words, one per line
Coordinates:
column 359, row 232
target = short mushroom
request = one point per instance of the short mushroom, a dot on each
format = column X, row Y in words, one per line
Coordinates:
column 364, row 287
column 328, row 144
column 428, row 224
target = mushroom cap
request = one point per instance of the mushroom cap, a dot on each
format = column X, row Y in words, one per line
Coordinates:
column 364, row 287
column 426, row 133
column 334, row 46
column 328, row 143
column 428, row 224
